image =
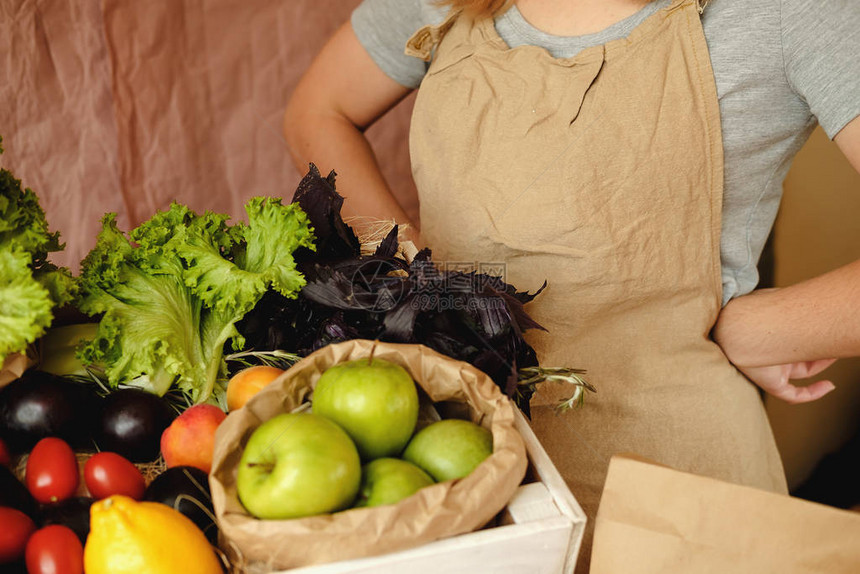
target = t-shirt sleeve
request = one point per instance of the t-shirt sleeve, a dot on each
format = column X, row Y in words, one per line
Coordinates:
column 384, row 26
column 821, row 47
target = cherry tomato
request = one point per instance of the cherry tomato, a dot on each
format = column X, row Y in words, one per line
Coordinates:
column 54, row 549
column 52, row 471
column 16, row 530
column 5, row 457
column 108, row 473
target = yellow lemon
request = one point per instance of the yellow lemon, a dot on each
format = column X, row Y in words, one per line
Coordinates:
column 129, row 537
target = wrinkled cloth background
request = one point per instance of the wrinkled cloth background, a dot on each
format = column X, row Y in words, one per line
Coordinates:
column 125, row 106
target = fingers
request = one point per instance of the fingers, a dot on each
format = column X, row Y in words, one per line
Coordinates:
column 809, row 368
column 797, row 395
column 812, row 392
column 776, row 380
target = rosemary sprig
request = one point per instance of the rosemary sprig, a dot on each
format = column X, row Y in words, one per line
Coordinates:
column 94, row 376
column 177, row 399
column 530, row 377
column 276, row 358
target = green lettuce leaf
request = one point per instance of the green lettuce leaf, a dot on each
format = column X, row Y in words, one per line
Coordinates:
column 171, row 293
column 30, row 285
column 25, row 305
column 261, row 259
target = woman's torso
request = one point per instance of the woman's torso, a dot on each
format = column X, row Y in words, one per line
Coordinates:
column 585, row 172
column 775, row 76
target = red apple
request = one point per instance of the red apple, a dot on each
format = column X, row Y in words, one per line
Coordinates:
column 190, row 439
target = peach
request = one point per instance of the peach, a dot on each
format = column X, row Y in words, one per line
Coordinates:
column 247, row 383
column 190, row 439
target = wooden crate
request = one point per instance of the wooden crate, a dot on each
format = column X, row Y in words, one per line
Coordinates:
column 539, row 532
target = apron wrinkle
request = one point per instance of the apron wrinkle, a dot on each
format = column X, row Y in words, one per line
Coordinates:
column 553, row 162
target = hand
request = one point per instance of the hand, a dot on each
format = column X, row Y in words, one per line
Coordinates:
column 776, row 380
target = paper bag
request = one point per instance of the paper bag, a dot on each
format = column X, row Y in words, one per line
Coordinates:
column 13, row 367
column 655, row 520
column 438, row 511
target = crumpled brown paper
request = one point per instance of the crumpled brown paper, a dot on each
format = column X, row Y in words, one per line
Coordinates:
column 442, row 510
column 14, row 366
column 656, row 520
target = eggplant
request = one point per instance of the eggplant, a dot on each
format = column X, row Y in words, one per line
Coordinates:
column 40, row 404
column 72, row 512
column 131, row 422
column 17, row 567
column 186, row 489
column 15, row 495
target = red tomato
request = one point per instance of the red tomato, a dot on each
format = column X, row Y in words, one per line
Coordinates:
column 5, row 457
column 52, row 471
column 17, row 528
column 54, row 549
column 107, row 473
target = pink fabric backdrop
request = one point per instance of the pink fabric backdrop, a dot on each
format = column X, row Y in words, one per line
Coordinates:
column 126, row 106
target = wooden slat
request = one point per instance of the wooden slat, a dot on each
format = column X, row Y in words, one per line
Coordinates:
column 530, row 503
column 532, row 548
column 551, row 478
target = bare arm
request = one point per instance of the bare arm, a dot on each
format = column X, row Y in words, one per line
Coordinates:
column 775, row 335
column 341, row 94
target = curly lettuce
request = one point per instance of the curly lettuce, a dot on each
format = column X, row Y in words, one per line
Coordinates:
column 169, row 293
column 30, row 286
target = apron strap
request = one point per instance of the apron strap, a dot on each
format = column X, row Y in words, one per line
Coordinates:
column 700, row 5
column 422, row 42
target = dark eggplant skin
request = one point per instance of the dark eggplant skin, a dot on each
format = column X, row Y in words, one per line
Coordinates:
column 15, row 495
column 72, row 512
column 189, row 482
column 130, row 424
column 39, row 404
column 17, row 567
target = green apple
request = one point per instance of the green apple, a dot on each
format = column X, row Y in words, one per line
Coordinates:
column 298, row 464
column 375, row 401
column 449, row 448
column 390, row 480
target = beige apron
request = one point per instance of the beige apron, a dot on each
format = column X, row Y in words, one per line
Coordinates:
column 602, row 174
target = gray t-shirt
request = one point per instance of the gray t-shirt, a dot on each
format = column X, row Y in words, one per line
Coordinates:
column 781, row 66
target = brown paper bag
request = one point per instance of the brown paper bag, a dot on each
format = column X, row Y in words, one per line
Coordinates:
column 435, row 512
column 14, row 366
column 653, row 519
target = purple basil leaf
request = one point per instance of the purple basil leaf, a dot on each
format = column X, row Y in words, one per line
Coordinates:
column 319, row 199
column 388, row 246
column 519, row 318
column 329, row 288
column 334, row 330
column 423, row 255
column 399, row 323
